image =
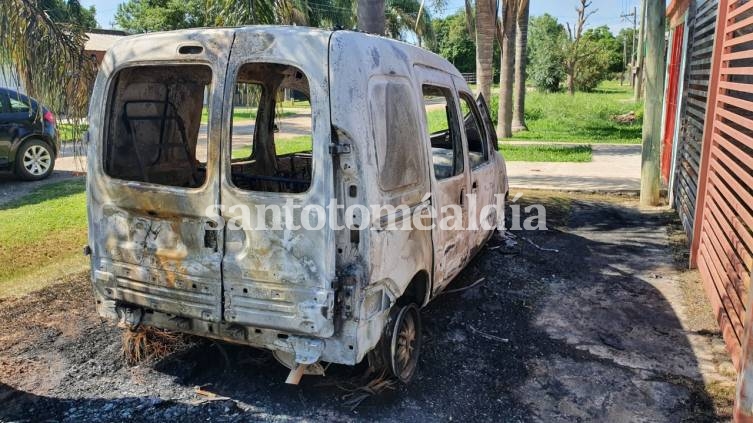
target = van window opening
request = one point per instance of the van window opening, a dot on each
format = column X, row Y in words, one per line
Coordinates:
column 444, row 133
column 271, row 129
column 154, row 125
column 478, row 148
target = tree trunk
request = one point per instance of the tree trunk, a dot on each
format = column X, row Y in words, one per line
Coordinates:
column 507, row 68
column 486, row 30
column 370, row 15
column 571, row 81
column 655, row 73
column 521, row 47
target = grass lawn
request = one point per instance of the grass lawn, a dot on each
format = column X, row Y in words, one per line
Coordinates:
column 583, row 118
column 68, row 134
column 41, row 236
column 546, row 153
column 243, row 113
column 283, row 146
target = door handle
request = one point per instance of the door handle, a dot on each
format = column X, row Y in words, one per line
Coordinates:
column 474, row 187
column 462, row 197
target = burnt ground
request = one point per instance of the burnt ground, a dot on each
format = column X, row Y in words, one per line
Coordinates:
column 608, row 328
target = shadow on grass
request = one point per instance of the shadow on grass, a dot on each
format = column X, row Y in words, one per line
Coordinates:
column 47, row 190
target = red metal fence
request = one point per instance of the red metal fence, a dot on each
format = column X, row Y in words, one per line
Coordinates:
column 723, row 232
column 701, row 21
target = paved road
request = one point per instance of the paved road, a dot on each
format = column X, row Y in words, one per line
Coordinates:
column 614, row 168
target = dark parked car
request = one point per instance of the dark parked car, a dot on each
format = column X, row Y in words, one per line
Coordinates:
column 29, row 139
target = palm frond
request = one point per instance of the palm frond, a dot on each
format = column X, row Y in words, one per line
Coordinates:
column 47, row 57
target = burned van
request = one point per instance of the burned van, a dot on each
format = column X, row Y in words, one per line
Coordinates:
column 210, row 149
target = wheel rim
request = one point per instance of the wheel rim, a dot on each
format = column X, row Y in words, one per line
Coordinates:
column 37, row 160
column 406, row 343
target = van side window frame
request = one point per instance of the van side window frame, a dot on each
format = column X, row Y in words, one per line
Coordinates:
column 453, row 122
column 464, row 96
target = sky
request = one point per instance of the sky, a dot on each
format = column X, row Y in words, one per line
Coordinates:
column 607, row 11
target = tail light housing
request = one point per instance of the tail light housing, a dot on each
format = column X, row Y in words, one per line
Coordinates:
column 49, row 117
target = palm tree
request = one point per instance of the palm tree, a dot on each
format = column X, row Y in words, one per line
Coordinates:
column 371, row 16
column 521, row 47
column 507, row 65
column 408, row 16
column 486, row 32
column 46, row 57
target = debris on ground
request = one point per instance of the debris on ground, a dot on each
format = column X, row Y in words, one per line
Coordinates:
column 627, row 118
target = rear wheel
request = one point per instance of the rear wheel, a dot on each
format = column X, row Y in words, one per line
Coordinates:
column 399, row 348
column 35, row 160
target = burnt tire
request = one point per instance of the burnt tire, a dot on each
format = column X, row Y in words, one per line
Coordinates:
column 35, row 160
column 399, row 348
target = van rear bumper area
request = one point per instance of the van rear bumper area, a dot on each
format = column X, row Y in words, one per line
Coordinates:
column 305, row 349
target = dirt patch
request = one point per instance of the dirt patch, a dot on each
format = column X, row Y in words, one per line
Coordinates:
column 594, row 332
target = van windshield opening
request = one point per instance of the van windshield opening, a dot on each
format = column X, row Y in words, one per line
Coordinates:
column 271, row 139
column 154, row 125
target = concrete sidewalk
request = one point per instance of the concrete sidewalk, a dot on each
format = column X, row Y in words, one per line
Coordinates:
column 614, row 168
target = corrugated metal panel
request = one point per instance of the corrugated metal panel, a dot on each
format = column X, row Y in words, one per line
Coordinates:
column 698, row 70
column 725, row 247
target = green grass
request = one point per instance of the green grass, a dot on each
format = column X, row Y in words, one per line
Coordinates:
column 546, row 153
column 42, row 234
column 283, row 146
column 247, row 113
column 583, row 118
column 68, row 132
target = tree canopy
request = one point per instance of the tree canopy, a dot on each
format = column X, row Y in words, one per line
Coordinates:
column 70, row 12
column 600, row 54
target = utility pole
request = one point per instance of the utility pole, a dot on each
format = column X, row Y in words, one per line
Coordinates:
column 624, row 61
column 639, row 68
column 635, row 27
column 655, row 69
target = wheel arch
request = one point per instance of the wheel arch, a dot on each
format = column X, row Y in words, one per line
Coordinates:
column 31, row 136
column 418, row 290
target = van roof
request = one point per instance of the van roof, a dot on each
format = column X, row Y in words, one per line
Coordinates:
column 416, row 53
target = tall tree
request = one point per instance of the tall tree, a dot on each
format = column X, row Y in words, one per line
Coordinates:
column 70, row 12
column 454, row 42
column 160, row 15
column 547, row 47
column 521, row 61
column 486, row 33
column 507, row 67
column 574, row 51
column 371, row 16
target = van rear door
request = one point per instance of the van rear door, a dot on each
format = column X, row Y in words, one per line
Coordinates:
column 154, row 171
column 277, row 273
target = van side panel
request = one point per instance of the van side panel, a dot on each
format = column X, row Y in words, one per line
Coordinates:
column 377, row 265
